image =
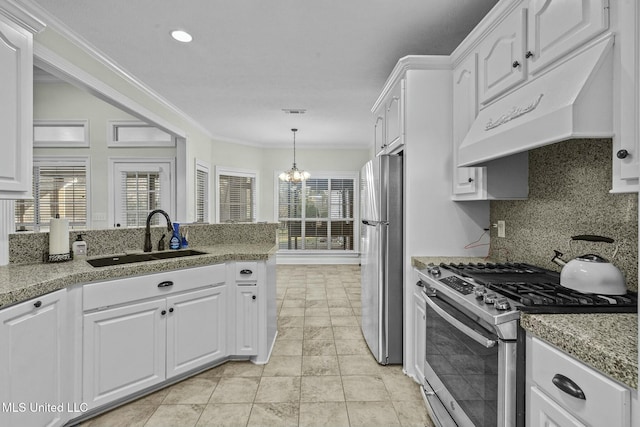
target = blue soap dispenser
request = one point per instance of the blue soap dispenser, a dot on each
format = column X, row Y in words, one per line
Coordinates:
column 174, row 242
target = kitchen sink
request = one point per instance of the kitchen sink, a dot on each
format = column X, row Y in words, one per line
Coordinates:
column 132, row 258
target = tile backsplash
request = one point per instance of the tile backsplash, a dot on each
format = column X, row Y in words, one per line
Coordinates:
column 569, row 185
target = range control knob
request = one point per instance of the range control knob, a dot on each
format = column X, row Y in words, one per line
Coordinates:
column 490, row 298
column 435, row 271
column 502, row 304
column 479, row 291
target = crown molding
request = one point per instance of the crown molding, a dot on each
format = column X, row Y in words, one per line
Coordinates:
column 58, row 26
column 21, row 15
column 411, row 63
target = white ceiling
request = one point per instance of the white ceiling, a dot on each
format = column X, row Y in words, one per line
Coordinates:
column 252, row 58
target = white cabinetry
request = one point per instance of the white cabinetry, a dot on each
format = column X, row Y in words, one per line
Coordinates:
column 500, row 179
column 562, row 391
column 388, row 126
column 16, row 103
column 419, row 331
column 501, row 57
column 246, row 312
column 533, row 35
column 142, row 330
column 34, row 362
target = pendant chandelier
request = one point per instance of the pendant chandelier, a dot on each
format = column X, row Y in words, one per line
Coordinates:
column 293, row 174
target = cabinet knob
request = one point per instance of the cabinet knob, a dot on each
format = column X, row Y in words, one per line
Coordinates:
column 253, row 297
column 622, row 154
column 470, row 179
column 515, row 64
column 528, row 55
column 171, row 310
column 163, row 312
column 37, row 304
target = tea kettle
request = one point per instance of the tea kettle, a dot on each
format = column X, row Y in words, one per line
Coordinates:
column 591, row 273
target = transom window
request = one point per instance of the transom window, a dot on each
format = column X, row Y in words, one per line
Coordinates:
column 317, row 214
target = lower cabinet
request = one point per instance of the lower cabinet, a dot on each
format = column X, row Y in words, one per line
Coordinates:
column 246, row 320
column 34, row 368
column 419, row 332
column 564, row 392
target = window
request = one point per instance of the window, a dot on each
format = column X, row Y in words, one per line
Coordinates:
column 138, row 134
column 59, row 187
column 202, row 191
column 317, row 214
column 60, row 133
column 140, row 187
column 236, row 195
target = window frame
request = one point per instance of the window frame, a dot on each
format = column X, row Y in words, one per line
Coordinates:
column 202, row 166
column 330, row 175
column 114, row 125
column 247, row 173
column 65, row 161
column 116, row 166
column 84, row 124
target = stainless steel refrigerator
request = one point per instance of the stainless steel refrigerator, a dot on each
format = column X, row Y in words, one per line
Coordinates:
column 381, row 257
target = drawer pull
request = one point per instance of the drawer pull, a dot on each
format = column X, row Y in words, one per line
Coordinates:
column 568, row 386
column 246, row 271
column 165, row 284
column 37, row 304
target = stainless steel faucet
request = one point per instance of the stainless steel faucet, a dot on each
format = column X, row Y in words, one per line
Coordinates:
column 147, row 233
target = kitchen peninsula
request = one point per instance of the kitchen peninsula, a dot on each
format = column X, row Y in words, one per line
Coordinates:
column 97, row 337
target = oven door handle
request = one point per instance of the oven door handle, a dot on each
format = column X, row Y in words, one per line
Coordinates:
column 480, row 339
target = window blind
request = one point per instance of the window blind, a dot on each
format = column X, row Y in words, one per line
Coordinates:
column 237, row 198
column 202, row 196
column 57, row 189
column 141, row 193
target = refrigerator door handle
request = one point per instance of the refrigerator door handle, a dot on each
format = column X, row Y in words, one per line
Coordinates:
column 374, row 223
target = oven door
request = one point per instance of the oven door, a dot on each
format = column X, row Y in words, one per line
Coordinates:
column 461, row 368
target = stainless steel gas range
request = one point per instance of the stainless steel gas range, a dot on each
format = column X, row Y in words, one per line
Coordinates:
column 474, row 358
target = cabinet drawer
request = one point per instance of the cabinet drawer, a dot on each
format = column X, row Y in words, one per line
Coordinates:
column 246, row 271
column 605, row 402
column 120, row 291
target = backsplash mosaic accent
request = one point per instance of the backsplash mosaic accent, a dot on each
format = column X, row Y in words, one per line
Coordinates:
column 569, row 185
column 29, row 248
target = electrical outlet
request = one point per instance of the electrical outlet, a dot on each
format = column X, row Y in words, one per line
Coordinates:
column 501, row 227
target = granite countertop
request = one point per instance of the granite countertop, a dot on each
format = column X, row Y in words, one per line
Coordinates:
column 22, row 282
column 605, row 341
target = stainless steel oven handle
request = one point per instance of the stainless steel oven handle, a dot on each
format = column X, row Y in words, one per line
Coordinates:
column 461, row 326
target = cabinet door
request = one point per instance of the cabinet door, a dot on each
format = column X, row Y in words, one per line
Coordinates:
column 32, row 366
column 378, row 135
column 501, row 56
column 246, row 320
column 420, row 333
column 544, row 412
column 124, row 351
column 393, row 117
column 16, row 111
column 557, row 27
column 196, row 329
column 465, row 109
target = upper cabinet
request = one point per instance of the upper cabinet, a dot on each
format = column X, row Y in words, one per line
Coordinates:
column 388, row 133
column 531, row 37
column 16, row 101
column 501, row 57
column 557, row 27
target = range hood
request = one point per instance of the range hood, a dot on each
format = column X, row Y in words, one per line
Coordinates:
column 571, row 100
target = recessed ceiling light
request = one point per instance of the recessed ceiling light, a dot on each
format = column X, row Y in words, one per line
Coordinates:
column 181, row 36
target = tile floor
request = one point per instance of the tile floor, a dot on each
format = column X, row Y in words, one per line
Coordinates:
column 320, row 373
